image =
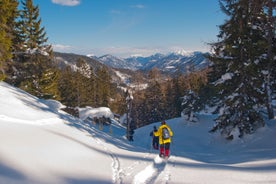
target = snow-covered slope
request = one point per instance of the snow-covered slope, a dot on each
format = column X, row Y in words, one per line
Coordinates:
column 40, row 144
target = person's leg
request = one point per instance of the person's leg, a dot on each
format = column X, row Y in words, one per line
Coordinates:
column 162, row 148
column 155, row 144
column 167, row 149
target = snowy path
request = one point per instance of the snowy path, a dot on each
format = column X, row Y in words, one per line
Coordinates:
column 125, row 164
column 116, row 170
column 156, row 172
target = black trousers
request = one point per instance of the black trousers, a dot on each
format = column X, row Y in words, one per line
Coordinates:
column 165, row 146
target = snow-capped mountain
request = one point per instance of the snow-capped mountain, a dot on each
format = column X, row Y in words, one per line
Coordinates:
column 183, row 63
column 174, row 62
column 145, row 63
column 116, row 62
column 65, row 59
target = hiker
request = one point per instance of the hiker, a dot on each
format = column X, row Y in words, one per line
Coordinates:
column 164, row 132
column 155, row 138
column 131, row 132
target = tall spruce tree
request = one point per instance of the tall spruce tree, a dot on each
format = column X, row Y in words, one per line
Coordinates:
column 191, row 101
column 189, row 106
column 34, row 70
column 170, row 106
column 8, row 14
column 67, row 88
column 49, row 83
column 154, row 102
column 83, row 85
column 237, row 68
column 31, row 32
column 268, row 25
column 103, row 86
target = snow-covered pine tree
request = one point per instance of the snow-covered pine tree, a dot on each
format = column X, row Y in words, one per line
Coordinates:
column 236, row 69
column 189, row 106
column 82, row 76
column 268, row 24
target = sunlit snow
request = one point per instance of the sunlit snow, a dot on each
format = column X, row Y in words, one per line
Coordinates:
column 41, row 144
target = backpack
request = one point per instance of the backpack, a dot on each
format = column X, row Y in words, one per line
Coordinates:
column 165, row 133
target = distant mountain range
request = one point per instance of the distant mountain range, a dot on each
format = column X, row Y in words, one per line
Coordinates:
column 170, row 63
column 122, row 70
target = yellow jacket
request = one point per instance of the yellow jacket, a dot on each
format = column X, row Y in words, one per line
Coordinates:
column 159, row 133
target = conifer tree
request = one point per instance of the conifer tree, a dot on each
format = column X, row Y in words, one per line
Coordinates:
column 84, row 83
column 33, row 71
column 189, row 106
column 237, row 70
column 268, row 24
column 154, row 102
column 170, row 105
column 49, row 84
column 67, row 88
column 102, row 87
column 179, row 86
column 191, row 101
column 37, row 75
column 32, row 34
column 8, row 14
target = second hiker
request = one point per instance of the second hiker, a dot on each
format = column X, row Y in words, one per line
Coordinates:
column 155, row 137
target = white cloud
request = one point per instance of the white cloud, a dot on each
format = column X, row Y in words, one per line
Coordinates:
column 127, row 51
column 67, row 2
column 62, row 48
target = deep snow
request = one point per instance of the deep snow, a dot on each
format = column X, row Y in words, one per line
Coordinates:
column 40, row 144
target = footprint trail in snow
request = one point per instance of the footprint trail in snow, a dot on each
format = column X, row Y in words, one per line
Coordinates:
column 151, row 173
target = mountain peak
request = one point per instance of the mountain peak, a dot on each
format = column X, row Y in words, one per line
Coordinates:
column 179, row 59
column 183, row 52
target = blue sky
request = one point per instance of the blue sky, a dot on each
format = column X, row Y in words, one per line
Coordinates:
column 130, row 27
